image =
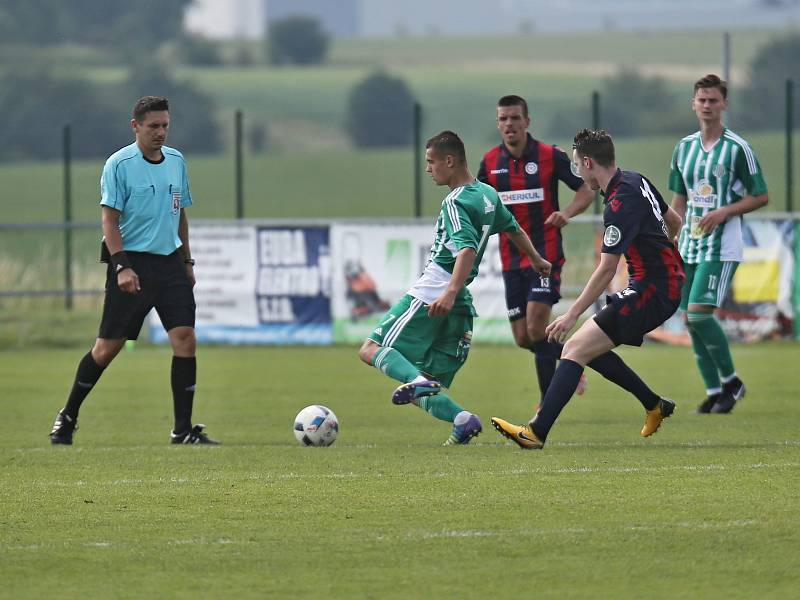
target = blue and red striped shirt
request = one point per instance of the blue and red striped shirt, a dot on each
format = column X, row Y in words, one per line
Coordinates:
column 528, row 186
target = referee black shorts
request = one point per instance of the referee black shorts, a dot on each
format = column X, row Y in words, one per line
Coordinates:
column 165, row 287
column 633, row 312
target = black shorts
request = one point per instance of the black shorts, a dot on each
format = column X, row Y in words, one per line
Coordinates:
column 525, row 285
column 631, row 313
column 165, row 287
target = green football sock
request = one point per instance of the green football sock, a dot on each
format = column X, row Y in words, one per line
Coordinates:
column 708, row 370
column 440, row 406
column 390, row 362
column 715, row 341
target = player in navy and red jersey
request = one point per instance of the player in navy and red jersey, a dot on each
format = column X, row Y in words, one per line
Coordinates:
column 640, row 225
column 525, row 172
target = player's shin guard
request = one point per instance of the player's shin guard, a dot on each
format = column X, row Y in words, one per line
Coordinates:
column 613, row 368
column 184, row 376
column 87, row 375
column 561, row 389
column 440, row 406
column 390, row 362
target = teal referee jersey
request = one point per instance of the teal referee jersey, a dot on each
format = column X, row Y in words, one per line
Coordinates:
column 149, row 197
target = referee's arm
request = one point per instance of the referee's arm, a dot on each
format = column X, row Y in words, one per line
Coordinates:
column 127, row 279
column 183, row 234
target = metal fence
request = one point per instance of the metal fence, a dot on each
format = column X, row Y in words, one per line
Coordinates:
column 53, row 259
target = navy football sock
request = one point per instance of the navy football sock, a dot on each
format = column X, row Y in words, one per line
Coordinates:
column 561, row 389
column 546, row 355
column 613, row 368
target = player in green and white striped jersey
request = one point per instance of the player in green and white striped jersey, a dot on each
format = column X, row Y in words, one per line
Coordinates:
column 425, row 337
column 716, row 178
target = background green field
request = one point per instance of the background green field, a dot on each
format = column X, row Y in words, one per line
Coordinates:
column 706, row 508
column 457, row 81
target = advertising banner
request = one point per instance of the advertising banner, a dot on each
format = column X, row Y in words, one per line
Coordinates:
column 260, row 285
column 758, row 304
column 373, row 265
column 320, row 284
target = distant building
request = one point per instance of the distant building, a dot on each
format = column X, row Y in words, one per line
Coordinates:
column 377, row 18
column 340, row 18
column 243, row 19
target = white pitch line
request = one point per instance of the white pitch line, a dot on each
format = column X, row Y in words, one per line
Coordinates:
column 527, row 470
column 557, row 531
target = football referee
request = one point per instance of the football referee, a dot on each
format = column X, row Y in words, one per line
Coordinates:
column 144, row 193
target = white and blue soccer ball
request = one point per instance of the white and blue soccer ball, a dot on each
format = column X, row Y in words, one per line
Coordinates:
column 316, row 425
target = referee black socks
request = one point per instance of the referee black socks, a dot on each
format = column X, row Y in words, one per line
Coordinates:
column 87, row 375
column 183, row 378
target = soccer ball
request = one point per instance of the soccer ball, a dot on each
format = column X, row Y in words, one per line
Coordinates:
column 316, row 425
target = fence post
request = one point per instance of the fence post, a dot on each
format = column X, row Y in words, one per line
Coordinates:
column 726, row 70
column 596, row 126
column 789, row 149
column 239, row 167
column 417, row 159
column 67, row 152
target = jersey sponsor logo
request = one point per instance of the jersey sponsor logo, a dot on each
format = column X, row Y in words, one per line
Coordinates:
column 531, row 168
column 487, row 205
column 498, row 171
column 514, row 312
column 695, row 231
column 703, row 195
column 612, row 236
column 522, row 196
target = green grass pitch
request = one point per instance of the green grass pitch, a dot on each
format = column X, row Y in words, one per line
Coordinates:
column 707, row 508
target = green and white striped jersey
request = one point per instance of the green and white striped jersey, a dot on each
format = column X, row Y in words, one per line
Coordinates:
column 724, row 174
column 469, row 215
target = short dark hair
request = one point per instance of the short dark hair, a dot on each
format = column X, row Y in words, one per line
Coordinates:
column 597, row 145
column 447, row 142
column 711, row 81
column 149, row 104
column 514, row 100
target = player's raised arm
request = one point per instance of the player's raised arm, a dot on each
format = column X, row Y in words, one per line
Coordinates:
column 595, row 287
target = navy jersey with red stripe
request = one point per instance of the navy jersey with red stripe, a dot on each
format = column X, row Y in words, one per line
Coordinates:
column 528, row 186
column 634, row 226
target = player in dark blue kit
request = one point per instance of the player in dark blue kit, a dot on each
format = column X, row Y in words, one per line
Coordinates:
column 640, row 225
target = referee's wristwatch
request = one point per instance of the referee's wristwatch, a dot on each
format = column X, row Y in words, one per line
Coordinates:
column 189, row 261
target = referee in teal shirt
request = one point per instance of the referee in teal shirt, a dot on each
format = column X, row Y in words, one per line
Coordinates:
column 144, row 193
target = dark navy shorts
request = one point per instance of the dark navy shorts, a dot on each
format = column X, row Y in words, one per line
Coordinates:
column 631, row 313
column 165, row 287
column 525, row 285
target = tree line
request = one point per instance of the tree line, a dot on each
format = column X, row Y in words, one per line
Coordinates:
column 35, row 101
